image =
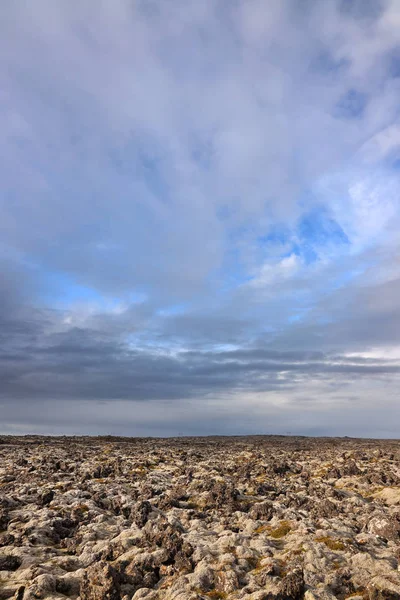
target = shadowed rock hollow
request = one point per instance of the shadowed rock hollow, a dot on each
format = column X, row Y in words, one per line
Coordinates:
column 254, row 518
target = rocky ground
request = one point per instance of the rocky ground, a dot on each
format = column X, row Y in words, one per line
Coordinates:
column 250, row 518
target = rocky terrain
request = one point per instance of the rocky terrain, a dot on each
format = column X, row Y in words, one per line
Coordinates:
column 253, row 518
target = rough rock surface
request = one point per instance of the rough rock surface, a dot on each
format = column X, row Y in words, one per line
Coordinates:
column 256, row 518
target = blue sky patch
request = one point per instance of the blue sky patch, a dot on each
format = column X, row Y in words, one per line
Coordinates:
column 351, row 105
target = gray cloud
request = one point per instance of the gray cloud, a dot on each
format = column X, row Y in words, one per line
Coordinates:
column 82, row 363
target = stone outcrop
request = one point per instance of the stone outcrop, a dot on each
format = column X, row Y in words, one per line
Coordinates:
column 245, row 518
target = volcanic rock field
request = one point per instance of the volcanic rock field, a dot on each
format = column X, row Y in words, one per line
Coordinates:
column 255, row 518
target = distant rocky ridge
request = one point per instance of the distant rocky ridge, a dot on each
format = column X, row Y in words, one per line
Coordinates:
column 255, row 518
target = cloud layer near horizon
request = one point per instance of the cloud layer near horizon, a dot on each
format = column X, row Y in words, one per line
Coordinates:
column 199, row 217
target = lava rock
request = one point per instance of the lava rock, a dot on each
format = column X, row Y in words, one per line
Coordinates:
column 46, row 498
column 100, row 582
column 292, row 586
column 8, row 562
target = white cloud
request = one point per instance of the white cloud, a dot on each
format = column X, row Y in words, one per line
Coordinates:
column 275, row 273
column 150, row 148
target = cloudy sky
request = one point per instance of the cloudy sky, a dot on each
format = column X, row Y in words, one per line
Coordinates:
column 199, row 217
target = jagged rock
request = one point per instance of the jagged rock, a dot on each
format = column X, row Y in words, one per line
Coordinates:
column 100, row 582
column 19, row 594
column 200, row 518
column 203, row 578
column 224, row 495
column 102, row 471
column 226, row 581
column 183, row 563
column 326, row 509
column 6, row 539
column 292, row 586
column 350, row 468
column 4, row 520
column 64, row 527
column 9, row 562
column 140, row 513
column 334, row 473
column 382, row 588
column 390, row 496
column 145, row 594
column 262, row 511
column 280, row 468
column 385, row 527
column 46, row 498
column 42, row 586
column 67, row 585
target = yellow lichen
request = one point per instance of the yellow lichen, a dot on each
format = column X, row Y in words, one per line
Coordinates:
column 261, row 529
column 331, row 543
column 82, row 508
column 216, row 595
column 283, row 529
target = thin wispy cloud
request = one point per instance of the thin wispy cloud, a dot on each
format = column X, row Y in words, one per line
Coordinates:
column 199, row 216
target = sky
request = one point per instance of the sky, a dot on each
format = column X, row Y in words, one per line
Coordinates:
column 199, row 217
